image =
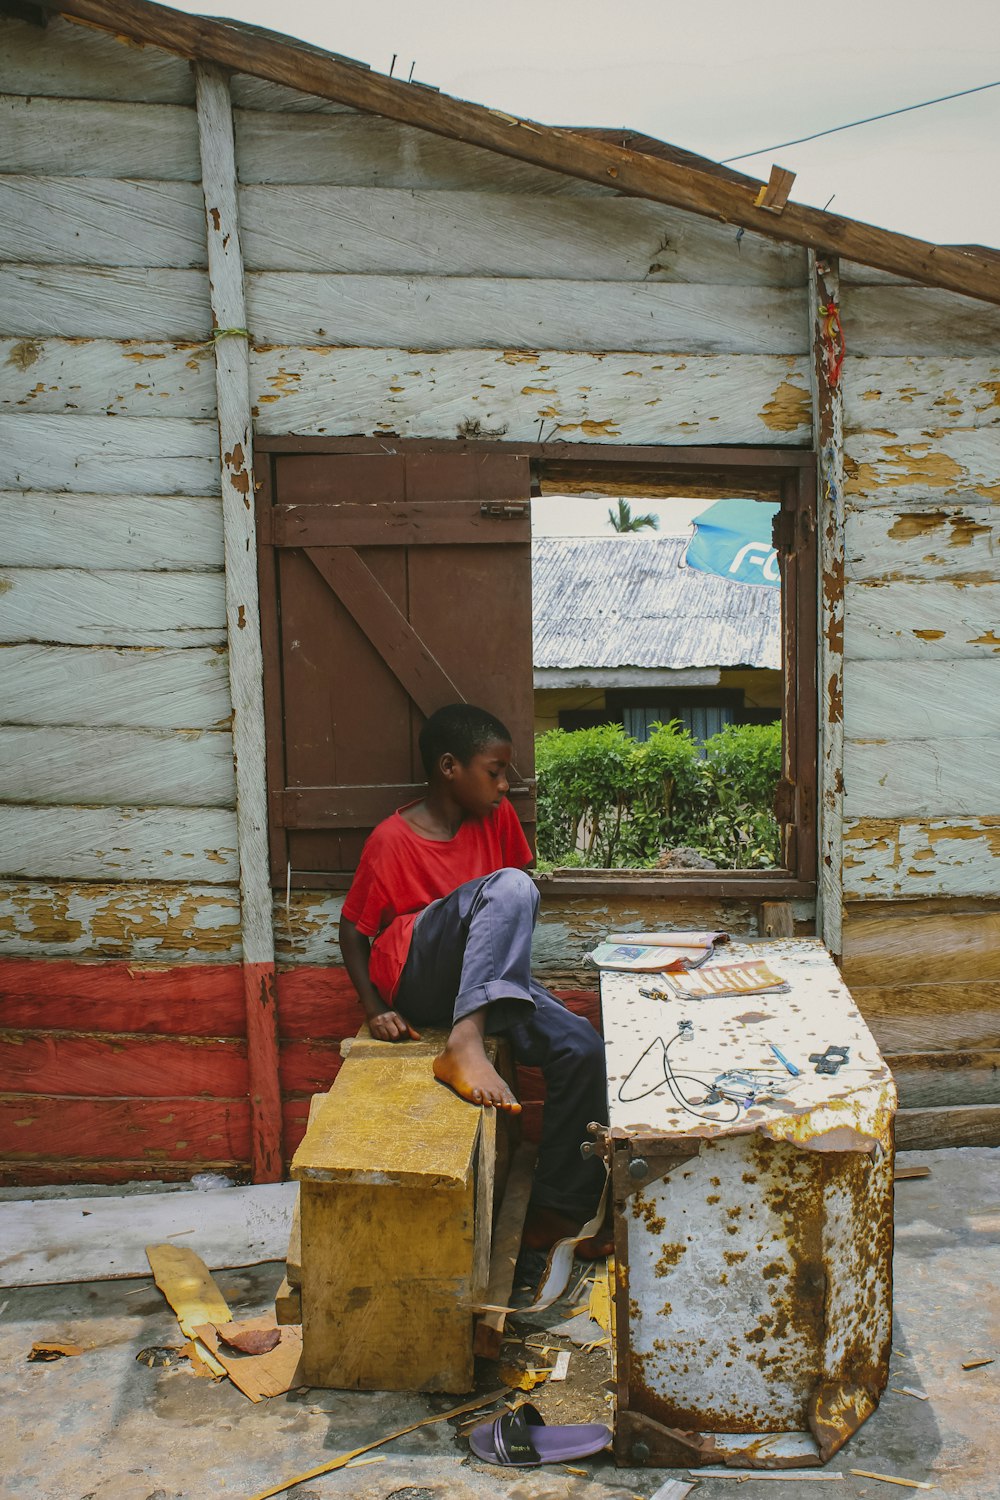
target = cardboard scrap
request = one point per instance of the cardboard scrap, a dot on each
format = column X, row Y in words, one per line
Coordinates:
column 561, row 1367
column 258, row 1375
column 672, row 1489
column 186, row 1282
column 44, row 1353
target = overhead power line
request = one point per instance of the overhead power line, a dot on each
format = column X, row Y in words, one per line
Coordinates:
column 867, row 121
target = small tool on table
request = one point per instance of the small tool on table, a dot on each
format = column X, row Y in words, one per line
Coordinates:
column 788, row 1066
column 830, row 1061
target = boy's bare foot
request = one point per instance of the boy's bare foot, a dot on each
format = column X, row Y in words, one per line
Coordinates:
column 464, row 1067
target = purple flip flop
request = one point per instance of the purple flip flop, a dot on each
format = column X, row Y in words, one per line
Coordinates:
column 520, row 1439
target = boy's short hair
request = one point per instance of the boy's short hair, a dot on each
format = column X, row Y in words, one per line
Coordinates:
column 459, row 729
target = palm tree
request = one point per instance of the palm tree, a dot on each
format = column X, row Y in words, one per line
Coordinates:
column 626, row 521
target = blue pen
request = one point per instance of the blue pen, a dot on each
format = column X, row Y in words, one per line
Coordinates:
column 795, row 1072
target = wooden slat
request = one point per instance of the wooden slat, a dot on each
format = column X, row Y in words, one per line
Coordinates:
column 931, row 1017
column 78, row 62
column 133, row 532
column 95, row 221
column 102, row 377
column 936, row 619
column 318, row 227
column 73, row 1064
column 250, row 93
column 109, row 455
column 896, row 392
column 69, row 606
column 926, row 1129
column 637, row 174
column 364, row 806
column 98, row 138
column 924, row 465
column 923, row 943
column 946, row 539
column 195, row 844
column 138, row 921
column 931, row 1079
column 411, row 523
column 158, row 1131
column 309, row 1066
column 902, row 700
column 150, row 688
column 392, row 635
column 104, row 302
column 596, row 398
column 445, row 312
column 203, row 1000
column 911, row 320
column 886, row 857
column 118, row 767
column 922, row 778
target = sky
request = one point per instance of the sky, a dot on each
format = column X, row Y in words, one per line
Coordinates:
column 721, row 77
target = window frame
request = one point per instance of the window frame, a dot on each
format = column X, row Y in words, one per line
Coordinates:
column 787, row 475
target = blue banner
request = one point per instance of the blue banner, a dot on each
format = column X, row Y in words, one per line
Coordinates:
column 733, row 539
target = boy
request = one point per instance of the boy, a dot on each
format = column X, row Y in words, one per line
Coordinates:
column 436, row 931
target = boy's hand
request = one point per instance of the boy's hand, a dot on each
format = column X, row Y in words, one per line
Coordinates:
column 390, row 1026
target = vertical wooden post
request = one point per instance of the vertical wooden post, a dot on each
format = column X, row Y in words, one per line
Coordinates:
column 828, row 417
column 246, row 677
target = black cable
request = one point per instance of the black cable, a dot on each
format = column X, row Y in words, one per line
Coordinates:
column 673, row 1081
column 869, row 120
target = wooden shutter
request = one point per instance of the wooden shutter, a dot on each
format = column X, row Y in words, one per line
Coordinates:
column 391, row 584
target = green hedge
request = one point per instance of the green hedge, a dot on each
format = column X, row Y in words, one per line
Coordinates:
column 628, row 802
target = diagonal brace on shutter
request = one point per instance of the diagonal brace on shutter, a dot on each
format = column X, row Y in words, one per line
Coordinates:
column 390, row 632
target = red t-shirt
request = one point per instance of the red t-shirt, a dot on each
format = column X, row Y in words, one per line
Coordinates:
column 400, row 873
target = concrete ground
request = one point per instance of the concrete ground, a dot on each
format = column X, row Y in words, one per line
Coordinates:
column 103, row 1427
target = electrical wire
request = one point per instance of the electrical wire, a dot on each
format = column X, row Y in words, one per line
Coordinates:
column 673, row 1081
column 869, row 120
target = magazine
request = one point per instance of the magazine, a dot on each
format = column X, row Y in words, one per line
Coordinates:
column 657, row 952
column 718, row 980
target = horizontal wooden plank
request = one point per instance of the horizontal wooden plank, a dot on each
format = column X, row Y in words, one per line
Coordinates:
column 188, row 923
column 922, row 778
column 134, row 532
column 250, row 93
column 65, row 1171
column 903, row 700
column 316, row 1002
column 102, row 221
column 925, row 1129
column 204, row 1000
column 914, row 320
column 73, row 607
column 76, row 1065
column 895, row 944
column 79, row 62
column 885, row 857
column 410, row 523
column 118, row 767
column 106, row 377
column 445, row 312
column 930, row 1079
column 119, row 302
column 946, row 539
column 98, row 138
column 318, row 227
column 932, row 1017
column 921, row 621
column 907, row 392
column 120, row 843
column 110, row 455
column 309, row 1066
column 36, row 1128
column 614, row 398
column 144, row 688
column 940, row 463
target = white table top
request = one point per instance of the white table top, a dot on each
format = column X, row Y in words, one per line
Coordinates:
column 848, row 1110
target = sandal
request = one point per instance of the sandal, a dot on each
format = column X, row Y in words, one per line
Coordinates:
column 520, row 1438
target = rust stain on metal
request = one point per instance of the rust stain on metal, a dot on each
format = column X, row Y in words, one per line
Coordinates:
column 789, row 408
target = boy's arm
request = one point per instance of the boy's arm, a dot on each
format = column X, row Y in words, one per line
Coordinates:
column 385, row 1024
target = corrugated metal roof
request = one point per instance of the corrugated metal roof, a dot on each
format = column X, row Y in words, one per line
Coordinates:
column 624, row 601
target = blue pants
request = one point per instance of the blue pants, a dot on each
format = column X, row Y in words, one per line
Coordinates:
column 473, row 949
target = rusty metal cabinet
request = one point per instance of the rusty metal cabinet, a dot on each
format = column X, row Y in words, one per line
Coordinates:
column 753, row 1237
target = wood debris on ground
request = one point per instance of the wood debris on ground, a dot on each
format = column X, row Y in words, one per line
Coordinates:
column 258, row 1376
column 909, row 1484
column 904, row 1174
column 744, row 1475
column 44, row 1352
column 186, row 1282
column 975, row 1364
column 905, row 1390
column 672, row 1489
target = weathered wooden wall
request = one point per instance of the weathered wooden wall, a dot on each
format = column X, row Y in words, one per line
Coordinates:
column 921, row 944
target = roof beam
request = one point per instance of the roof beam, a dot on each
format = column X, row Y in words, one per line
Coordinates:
column 639, row 175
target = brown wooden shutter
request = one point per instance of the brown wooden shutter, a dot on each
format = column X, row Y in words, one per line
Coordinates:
column 391, row 584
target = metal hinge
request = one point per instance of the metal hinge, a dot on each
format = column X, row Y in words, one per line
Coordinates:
column 506, row 510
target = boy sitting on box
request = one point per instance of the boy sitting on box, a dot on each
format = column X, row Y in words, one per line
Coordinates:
column 436, row 931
